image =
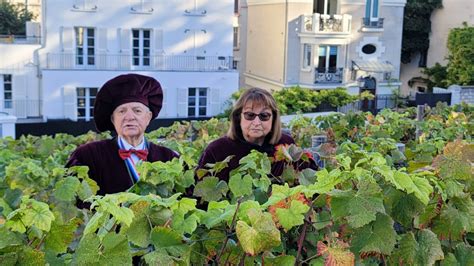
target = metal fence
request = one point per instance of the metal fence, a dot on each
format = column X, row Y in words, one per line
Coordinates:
column 19, row 39
column 381, row 101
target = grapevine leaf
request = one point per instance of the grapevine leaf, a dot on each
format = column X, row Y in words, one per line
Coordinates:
column 211, row 189
column 4, row 208
column 338, row 254
column 213, row 217
column 425, row 249
column 262, row 183
column 402, row 207
column 114, row 250
column 456, row 161
column 159, row 257
column 60, row 236
column 109, row 204
column 359, row 208
column 95, row 222
column 139, row 230
column 185, row 204
column 260, row 235
column 326, row 181
column 464, row 254
column 377, row 237
column 240, row 186
column 9, row 238
column 66, row 188
column 88, row 188
column 164, row 238
column 284, row 260
column 292, row 216
column 36, row 213
column 453, row 223
column 245, row 207
column 184, row 224
column 29, row 256
column 307, row 177
column 9, row 258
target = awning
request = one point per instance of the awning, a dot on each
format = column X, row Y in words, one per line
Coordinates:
column 373, row 66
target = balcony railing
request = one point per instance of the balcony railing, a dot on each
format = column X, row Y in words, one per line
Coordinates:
column 22, row 108
column 18, row 39
column 155, row 63
column 376, row 23
column 323, row 23
column 328, row 75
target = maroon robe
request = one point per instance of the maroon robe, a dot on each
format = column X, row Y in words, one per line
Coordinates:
column 107, row 168
column 219, row 149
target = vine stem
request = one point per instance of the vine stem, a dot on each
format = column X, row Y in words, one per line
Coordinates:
column 302, row 235
column 234, row 220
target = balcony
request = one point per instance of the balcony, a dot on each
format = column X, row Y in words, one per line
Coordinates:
column 323, row 23
column 328, row 75
column 19, row 39
column 153, row 63
column 372, row 23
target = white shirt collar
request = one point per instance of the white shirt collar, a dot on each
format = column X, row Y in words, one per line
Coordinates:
column 128, row 146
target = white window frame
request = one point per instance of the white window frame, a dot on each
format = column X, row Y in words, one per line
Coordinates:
column 198, row 104
column 88, row 99
column 81, row 39
column 307, row 55
column 6, row 103
column 236, row 40
column 372, row 10
column 139, row 59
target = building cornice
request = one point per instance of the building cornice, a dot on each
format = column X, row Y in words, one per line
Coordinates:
column 272, row 2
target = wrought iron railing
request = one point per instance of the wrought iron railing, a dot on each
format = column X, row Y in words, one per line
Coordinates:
column 322, row 23
column 328, row 75
column 124, row 62
column 372, row 23
column 20, row 39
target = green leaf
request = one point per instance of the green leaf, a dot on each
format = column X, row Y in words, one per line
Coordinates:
column 307, row 177
column 464, row 254
column 60, row 236
column 9, row 258
column 280, row 261
column 453, row 223
column 164, row 238
column 326, row 181
column 211, row 189
column 358, row 208
column 377, row 237
column 139, row 231
column 245, row 207
column 184, row 224
column 425, row 249
column 213, row 217
column 240, row 186
column 97, row 220
column 260, row 235
column 402, row 207
column 9, row 238
column 66, row 188
column 29, row 256
column 292, row 216
column 159, row 257
column 87, row 189
column 109, row 204
column 36, row 213
column 114, row 250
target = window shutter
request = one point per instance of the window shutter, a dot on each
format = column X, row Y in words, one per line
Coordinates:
column 214, row 103
column 164, row 108
column 125, row 40
column 158, row 49
column 182, row 102
column 67, row 46
column 70, row 103
column 102, row 48
column 20, row 104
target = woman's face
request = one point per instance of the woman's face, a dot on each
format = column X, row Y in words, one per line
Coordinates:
column 256, row 122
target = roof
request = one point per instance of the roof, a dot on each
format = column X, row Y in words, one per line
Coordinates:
column 373, row 66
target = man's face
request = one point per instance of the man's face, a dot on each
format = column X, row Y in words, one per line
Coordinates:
column 131, row 120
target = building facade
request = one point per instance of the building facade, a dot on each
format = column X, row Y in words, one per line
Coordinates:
column 184, row 44
column 442, row 21
column 321, row 44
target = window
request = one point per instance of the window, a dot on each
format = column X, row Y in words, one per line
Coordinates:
column 327, row 59
column 236, row 37
column 85, row 46
column 369, row 49
column 85, row 103
column 328, row 7
column 7, row 92
column 307, row 55
column 141, row 6
column 371, row 12
column 197, row 102
column 141, row 47
column 235, row 64
column 236, row 6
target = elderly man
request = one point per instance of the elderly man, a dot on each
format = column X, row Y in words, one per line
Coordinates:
column 126, row 104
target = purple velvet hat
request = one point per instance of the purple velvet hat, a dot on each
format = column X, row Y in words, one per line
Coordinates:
column 125, row 89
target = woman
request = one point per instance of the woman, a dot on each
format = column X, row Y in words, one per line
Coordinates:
column 125, row 104
column 254, row 125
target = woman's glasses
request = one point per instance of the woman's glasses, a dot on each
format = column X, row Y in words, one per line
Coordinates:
column 250, row 116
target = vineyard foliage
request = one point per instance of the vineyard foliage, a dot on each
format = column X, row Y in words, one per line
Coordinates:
column 373, row 203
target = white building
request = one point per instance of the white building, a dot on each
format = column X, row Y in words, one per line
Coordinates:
column 320, row 44
column 184, row 44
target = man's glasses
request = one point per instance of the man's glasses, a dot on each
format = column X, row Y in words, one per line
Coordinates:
column 250, row 116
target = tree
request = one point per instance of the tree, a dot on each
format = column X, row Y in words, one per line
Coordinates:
column 416, row 28
column 13, row 19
